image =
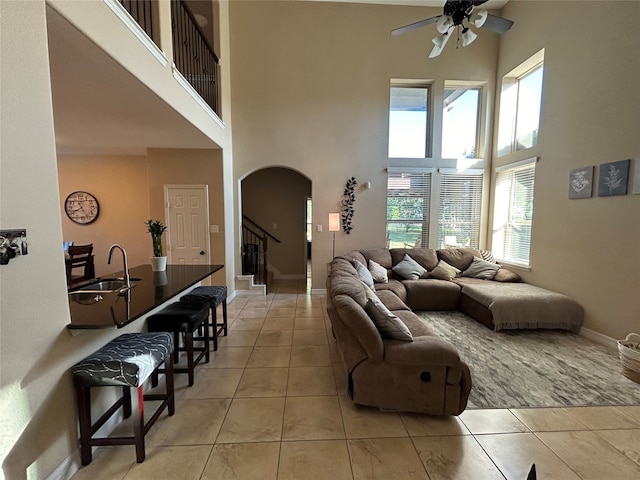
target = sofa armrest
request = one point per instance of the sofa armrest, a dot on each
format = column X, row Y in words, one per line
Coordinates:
column 424, row 350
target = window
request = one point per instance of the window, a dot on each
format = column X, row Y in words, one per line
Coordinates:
column 460, row 115
column 408, row 195
column 460, row 208
column 520, row 102
column 513, row 211
column 408, row 120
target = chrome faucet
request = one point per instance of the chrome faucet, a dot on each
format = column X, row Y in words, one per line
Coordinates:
column 127, row 278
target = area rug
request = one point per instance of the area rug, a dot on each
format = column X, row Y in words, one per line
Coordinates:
column 534, row 368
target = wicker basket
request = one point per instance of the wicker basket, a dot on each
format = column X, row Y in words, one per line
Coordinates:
column 630, row 356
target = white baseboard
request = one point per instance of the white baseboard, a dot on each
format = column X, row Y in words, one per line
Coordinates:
column 289, row 276
column 599, row 338
column 318, row 291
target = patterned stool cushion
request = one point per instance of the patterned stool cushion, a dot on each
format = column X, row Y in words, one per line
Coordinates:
column 213, row 295
column 126, row 361
column 179, row 317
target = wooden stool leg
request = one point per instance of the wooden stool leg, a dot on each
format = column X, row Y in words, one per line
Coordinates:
column 83, row 395
column 138, row 424
column 176, row 347
column 214, row 323
column 188, row 340
column 224, row 315
column 168, row 378
column 126, row 399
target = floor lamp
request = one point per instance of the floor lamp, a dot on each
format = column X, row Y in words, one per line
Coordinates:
column 334, row 226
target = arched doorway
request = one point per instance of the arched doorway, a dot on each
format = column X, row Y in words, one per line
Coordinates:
column 275, row 206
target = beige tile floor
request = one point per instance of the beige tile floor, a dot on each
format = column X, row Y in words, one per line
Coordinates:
column 272, row 404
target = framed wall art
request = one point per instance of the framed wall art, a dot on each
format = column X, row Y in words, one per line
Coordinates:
column 581, row 182
column 613, row 178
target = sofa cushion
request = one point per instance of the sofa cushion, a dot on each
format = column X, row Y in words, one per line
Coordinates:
column 414, row 323
column 480, row 268
column 459, row 257
column 504, row 275
column 364, row 274
column 391, row 300
column 444, row 271
column 378, row 272
column 424, row 256
column 387, row 323
column 349, row 285
column 432, row 294
column 410, row 269
column 379, row 255
column 395, row 286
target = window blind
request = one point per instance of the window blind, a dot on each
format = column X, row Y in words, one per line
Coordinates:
column 513, row 211
column 408, row 207
column 460, row 209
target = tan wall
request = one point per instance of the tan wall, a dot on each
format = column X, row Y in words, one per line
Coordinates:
column 311, row 92
column 588, row 249
column 277, row 197
column 190, row 167
column 120, row 185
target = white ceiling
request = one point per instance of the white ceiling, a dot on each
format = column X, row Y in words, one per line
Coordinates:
column 100, row 108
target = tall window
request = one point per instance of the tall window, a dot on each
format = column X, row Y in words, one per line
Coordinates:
column 460, row 115
column 520, row 102
column 513, row 211
column 460, row 208
column 408, row 120
column 408, row 195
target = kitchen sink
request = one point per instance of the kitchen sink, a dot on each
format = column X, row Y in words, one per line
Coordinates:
column 104, row 285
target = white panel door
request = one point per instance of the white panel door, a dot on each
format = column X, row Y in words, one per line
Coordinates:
column 188, row 222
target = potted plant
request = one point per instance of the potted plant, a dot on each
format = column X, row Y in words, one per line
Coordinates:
column 156, row 229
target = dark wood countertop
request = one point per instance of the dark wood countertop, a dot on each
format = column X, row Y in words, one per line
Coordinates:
column 111, row 310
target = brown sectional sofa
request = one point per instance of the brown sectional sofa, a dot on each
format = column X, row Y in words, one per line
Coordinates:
column 390, row 373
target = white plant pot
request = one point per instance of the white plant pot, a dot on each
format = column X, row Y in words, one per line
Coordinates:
column 158, row 264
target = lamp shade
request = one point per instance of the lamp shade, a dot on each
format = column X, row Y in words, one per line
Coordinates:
column 334, row 222
column 468, row 36
column 443, row 23
column 478, row 17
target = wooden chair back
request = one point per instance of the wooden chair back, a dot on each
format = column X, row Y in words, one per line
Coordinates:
column 80, row 257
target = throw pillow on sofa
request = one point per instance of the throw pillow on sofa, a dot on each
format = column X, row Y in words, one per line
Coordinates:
column 444, row 271
column 480, row 268
column 378, row 272
column 388, row 324
column 504, row 275
column 364, row 274
column 408, row 268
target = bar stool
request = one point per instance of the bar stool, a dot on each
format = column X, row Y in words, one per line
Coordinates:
column 127, row 361
column 214, row 296
column 184, row 318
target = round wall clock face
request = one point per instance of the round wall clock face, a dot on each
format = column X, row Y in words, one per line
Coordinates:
column 81, row 207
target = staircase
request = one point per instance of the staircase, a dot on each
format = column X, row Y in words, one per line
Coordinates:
column 255, row 240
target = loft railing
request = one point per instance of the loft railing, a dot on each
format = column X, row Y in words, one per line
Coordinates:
column 255, row 241
column 193, row 55
column 143, row 13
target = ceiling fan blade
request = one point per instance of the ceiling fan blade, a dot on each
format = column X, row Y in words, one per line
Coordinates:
column 415, row 25
column 497, row 24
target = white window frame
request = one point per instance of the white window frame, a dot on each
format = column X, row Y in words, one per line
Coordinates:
column 507, row 125
column 426, row 184
column 468, row 205
column 459, row 85
column 417, row 84
column 509, row 227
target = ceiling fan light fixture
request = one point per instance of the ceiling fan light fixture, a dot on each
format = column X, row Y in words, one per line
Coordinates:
column 478, row 17
column 468, row 36
column 444, row 23
column 435, row 52
column 441, row 40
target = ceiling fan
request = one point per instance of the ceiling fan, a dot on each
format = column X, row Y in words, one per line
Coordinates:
column 459, row 14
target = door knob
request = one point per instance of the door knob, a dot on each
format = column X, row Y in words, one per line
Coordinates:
column 201, row 252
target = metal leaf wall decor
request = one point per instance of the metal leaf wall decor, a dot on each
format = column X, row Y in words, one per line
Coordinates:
column 347, row 205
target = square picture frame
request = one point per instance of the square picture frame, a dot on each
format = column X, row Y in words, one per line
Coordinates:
column 613, row 178
column 581, row 182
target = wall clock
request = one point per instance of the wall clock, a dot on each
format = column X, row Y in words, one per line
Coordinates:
column 82, row 207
